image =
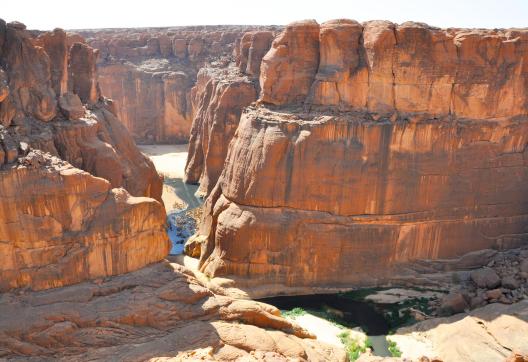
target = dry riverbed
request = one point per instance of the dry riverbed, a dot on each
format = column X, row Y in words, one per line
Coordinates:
column 179, row 198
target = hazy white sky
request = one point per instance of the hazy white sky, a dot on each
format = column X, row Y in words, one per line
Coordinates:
column 75, row 14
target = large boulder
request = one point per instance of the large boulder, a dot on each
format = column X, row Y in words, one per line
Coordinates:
column 485, row 278
column 71, row 106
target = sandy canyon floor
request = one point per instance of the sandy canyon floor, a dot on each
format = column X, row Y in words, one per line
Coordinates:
column 179, row 198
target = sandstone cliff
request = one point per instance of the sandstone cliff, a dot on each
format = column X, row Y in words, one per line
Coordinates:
column 410, row 68
column 218, row 98
column 149, row 73
column 68, row 168
column 375, row 145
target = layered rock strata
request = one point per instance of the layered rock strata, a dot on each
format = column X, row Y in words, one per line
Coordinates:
column 157, row 313
column 375, row 145
column 61, row 225
column 77, row 198
column 149, row 73
column 219, row 96
column 412, row 68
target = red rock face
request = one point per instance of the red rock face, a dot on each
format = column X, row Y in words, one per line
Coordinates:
column 83, row 76
column 251, row 49
column 406, row 154
column 218, row 99
column 56, row 46
column 68, row 168
column 288, row 69
column 150, row 73
column 412, row 68
column 67, row 226
column 154, row 107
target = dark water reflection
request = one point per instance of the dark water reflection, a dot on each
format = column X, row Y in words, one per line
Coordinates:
column 351, row 312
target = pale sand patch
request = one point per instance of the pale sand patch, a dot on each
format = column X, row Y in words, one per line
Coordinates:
column 170, row 199
column 169, row 159
column 413, row 345
column 326, row 331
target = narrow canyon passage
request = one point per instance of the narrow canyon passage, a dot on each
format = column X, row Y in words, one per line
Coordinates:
column 181, row 202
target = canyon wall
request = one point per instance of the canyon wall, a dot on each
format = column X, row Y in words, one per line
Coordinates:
column 78, row 201
column 372, row 146
column 77, row 198
column 218, row 98
column 149, row 73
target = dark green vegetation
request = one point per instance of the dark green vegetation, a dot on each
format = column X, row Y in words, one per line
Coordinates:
column 393, row 349
column 295, row 312
column 352, row 309
column 353, row 346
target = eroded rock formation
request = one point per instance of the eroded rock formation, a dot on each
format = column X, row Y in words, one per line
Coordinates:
column 412, row 68
column 495, row 333
column 149, row 73
column 219, row 96
column 156, row 313
column 375, row 145
column 76, row 195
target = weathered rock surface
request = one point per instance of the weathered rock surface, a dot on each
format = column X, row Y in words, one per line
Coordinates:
column 492, row 333
column 383, row 68
column 252, row 48
column 156, row 313
column 149, row 73
column 219, row 97
column 71, row 106
column 337, row 192
column 485, row 278
column 352, row 190
column 68, row 168
column 288, row 69
column 60, row 225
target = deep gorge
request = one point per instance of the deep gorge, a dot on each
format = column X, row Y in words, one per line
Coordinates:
column 335, row 160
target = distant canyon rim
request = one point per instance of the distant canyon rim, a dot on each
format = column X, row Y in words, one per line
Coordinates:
column 330, row 157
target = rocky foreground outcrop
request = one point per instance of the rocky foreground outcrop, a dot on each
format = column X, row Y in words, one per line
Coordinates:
column 77, row 198
column 374, row 146
column 149, row 73
column 154, row 314
column 496, row 332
